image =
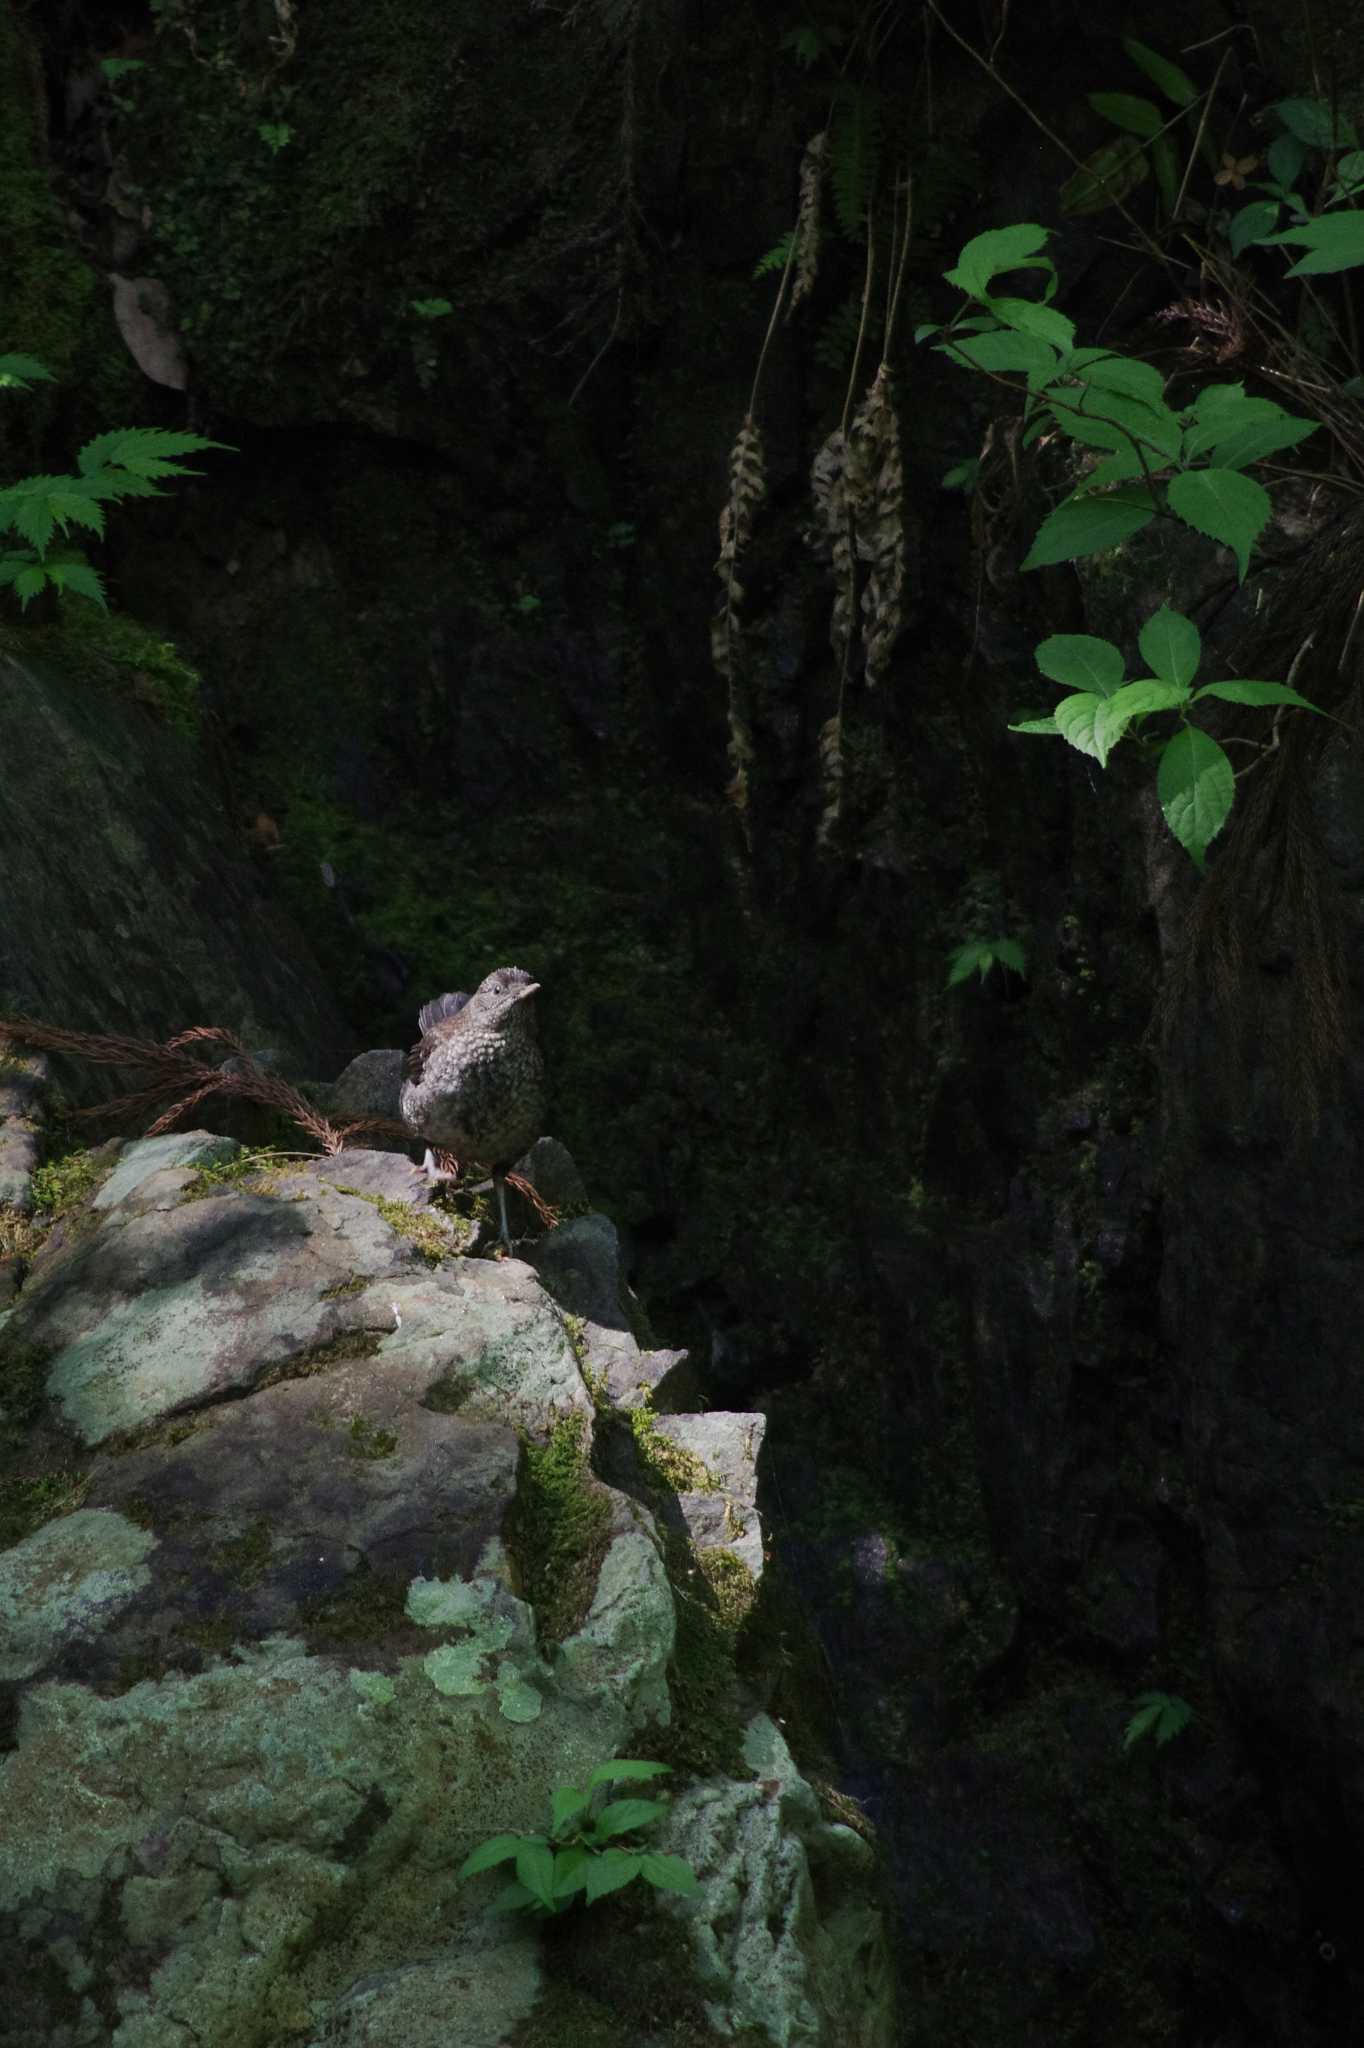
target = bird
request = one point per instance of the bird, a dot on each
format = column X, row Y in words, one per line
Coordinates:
column 474, row 1083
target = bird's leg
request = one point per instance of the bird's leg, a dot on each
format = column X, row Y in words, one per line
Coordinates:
column 500, row 1183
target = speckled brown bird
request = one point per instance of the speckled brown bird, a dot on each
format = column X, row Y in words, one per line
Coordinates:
column 474, row 1084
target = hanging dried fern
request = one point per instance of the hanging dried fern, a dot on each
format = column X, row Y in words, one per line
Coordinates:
column 747, row 490
column 807, row 220
column 876, row 487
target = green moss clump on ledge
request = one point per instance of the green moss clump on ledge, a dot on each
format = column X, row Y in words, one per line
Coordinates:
column 558, row 1530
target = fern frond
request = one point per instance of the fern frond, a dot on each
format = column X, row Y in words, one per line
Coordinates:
column 143, row 451
column 837, row 338
column 855, row 137
column 829, row 493
column 777, row 256
column 807, row 220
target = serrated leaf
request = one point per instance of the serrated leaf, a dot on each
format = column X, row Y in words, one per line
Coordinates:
column 513, row 1898
column 609, row 1872
column 1311, row 121
column 1196, row 787
column 1111, row 372
column 1167, row 77
column 1259, row 439
column 17, row 372
column 620, row 1768
column 998, row 250
column 1231, row 416
column 1105, row 177
column 1239, row 691
column 1224, row 504
column 1126, row 110
column 1349, row 176
column 1035, row 725
column 499, row 1849
column 1134, row 700
column 1170, row 644
column 669, row 1874
column 1075, row 718
column 570, row 1870
column 1144, row 1718
column 1252, row 224
column 146, row 451
column 1085, row 525
column 1029, row 317
column 75, row 574
column 975, row 955
column 1334, row 241
column 535, row 1869
column 1005, row 350
column 623, row 1815
column 1110, row 419
column 36, row 505
column 567, row 1803
column 1011, row 955
column 29, row 582
column 1118, row 468
column 1081, row 661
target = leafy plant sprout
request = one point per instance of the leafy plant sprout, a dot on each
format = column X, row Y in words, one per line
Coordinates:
column 1161, row 1715
column 582, row 1852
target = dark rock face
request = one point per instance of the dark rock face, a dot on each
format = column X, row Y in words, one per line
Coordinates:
column 126, row 907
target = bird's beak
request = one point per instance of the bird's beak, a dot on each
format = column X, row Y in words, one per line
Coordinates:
column 522, row 993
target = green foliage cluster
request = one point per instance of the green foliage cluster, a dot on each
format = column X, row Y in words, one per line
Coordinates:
column 1145, row 141
column 127, row 463
column 558, row 1529
column 978, row 956
column 581, row 1852
column 1148, row 460
column 1162, row 1715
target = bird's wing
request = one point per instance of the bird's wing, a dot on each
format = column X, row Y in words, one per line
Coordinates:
column 439, row 1007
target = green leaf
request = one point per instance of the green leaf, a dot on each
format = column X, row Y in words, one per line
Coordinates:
column 498, row 1849
column 1118, row 468
column 1161, row 1713
column 1075, row 718
column 1109, row 419
column 1165, row 164
column 74, row 573
column 18, row 372
column 1007, row 350
column 513, row 1898
column 431, row 309
column 777, row 256
column 1167, row 77
column 1081, row 661
column 535, row 1869
column 1125, row 110
column 998, row 250
column 1259, row 439
column 1225, row 421
column 568, row 1802
column 1134, row 700
column 1238, row 691
column 1310, row 121
column 609, row 1872
column 1225, row 505
column 976, row 956
column 1170, row 644
column 1334, row 241
column 1349, row 177
column 570, row 1870
column 36, row 505
column 1196, row 787
column 1252, row 224
column 1035, row 725
column 1085, row 525
column 28, row 582
column 621, row 1768
column 668, row 1874
column 147, row 452
column 1286, row 157
column 1031, row 318
column 623, row 1815
column 1106, row 177
column 962, row 476
column 1111, row 372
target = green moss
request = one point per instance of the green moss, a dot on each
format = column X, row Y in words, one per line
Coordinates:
column 251, row 1166
column 27, row 1502
column 114, row 651
column 244, row 1557
column 62, row 1184
column 345, row 1346
column 356, row 1284
column 714, row 1593
column 431, row 1237
column 371, row 1606
column 618, row 1975
column 666, row 1463
column 367, row 1441
column 558, row 1530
